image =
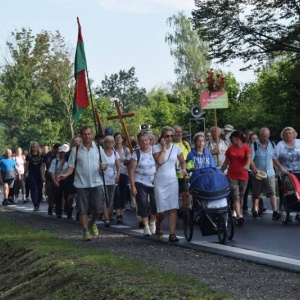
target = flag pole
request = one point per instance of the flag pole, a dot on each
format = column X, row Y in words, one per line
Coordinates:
column 98, row 142
column 94, row 116
column 92, row 100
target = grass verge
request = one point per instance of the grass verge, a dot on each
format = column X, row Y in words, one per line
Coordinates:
column 37, row 265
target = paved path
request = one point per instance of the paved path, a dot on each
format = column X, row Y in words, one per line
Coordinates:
column 263, row 241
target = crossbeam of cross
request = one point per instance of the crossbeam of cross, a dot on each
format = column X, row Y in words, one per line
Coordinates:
column 121, row 117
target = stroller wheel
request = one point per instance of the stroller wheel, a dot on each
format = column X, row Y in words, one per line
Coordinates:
column 222, row 233
column 188, row 224
column 229, row 225
column 285, row 215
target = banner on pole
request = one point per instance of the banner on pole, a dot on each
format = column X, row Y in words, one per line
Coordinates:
column 213, row 100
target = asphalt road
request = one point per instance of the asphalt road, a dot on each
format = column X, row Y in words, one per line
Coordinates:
column 263, row 241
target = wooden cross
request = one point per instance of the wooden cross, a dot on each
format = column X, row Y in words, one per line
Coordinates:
column 121, row 117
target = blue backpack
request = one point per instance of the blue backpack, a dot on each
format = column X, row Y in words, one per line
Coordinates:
column 209, row 184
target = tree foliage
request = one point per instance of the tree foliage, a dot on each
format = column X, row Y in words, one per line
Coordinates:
column 249, row 29
column 35, row 88
column 124, row 87
column 188, row 50
column 272, row 101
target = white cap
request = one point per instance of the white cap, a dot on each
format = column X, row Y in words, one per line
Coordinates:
column 62, row 149
column 67, row 146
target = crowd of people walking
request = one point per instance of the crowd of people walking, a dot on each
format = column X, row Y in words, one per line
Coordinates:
column 98, row 176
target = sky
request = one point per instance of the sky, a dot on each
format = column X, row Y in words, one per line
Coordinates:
column 117, row 34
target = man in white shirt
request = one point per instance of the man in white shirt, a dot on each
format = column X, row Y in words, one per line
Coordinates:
column 87, row 160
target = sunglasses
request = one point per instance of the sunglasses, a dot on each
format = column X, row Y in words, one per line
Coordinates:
column 168, row 135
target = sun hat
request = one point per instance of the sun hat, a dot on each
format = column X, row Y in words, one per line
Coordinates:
column 228, row 127
column 260, row 175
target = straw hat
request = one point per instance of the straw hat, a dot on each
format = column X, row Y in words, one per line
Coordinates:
column 228, row 128
column 260, row 175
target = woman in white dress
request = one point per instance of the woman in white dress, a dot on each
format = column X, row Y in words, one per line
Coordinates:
column 165, row 181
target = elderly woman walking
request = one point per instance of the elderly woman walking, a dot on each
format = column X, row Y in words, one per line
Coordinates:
column 111, row 176
column 141, row 175
column 287, row 155
column 165, row 181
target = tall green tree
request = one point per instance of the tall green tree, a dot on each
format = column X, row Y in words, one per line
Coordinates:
column 250, row 30
column 272, row 101
column 35, row 87
column 162, row 110
column 188, row 50
column 124, row 87
column 279, row 92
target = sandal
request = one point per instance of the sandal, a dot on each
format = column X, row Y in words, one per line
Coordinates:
column 159, row 233
column 173, row 238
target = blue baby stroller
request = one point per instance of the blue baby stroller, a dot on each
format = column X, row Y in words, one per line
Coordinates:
column 209, row 209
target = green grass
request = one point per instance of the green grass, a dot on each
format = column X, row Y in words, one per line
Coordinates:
column 37, row 265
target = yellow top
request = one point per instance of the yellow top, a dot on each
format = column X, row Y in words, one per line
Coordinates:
column 186, row 149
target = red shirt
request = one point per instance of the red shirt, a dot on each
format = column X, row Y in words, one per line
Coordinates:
column 237, row 160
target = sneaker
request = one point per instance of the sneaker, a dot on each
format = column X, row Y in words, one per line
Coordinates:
column 262, row 209
column 87, row 236
column 255, row 215
column 239, row 222
column 94, row 230
column 70, row 213
column 106, row 223
column 50, row 210
column 12, row 201
column 5, row 202
column 276, row 215
column 152, row 227
column 147, row 231
column 119, row 219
